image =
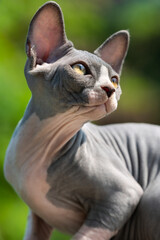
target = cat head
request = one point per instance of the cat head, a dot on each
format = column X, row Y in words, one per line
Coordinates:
column 60, row 76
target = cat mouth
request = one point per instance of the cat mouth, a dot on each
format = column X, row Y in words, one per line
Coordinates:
column 95, row 111
column 100, row 102
column 107, row 101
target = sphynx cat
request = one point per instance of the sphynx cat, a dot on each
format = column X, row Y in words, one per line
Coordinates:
column 93, row 182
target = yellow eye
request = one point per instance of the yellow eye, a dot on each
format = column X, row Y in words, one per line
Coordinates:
column 114, row 81
column 79, row 68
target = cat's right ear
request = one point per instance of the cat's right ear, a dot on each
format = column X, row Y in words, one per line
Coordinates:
column 114, row 50
column 46, row 33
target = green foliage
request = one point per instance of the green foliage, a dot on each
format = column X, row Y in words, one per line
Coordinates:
column 88, row 24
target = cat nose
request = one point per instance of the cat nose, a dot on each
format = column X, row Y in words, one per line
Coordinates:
column 109, row 91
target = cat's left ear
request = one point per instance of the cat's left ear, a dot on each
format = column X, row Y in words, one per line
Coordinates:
column 114, row 50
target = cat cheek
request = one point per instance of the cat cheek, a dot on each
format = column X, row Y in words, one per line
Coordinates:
column 96, row 98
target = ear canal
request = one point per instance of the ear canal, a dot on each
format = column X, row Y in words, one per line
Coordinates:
column 114, row 50
column 46, row 32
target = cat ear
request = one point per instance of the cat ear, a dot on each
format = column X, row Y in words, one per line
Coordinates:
column 46, row 32
column 114, row 50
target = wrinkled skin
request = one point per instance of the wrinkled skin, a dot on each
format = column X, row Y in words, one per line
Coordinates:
column 91, row 182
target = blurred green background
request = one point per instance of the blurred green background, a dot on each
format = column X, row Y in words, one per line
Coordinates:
column 88, row 24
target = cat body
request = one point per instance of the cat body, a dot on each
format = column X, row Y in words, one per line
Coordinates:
column 82, row 179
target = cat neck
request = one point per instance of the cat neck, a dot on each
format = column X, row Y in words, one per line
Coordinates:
column 36, row 143
column 41, row 140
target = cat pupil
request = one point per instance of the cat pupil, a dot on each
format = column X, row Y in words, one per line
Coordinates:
column 81, row 67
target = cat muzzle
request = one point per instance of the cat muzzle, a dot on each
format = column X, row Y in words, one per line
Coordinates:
column 109, row 91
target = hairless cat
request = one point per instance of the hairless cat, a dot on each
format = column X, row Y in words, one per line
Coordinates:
column 93, row 182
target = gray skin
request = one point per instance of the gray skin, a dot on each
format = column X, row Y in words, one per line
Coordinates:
column 92, row 182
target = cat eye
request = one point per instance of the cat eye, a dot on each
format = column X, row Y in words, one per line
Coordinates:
column 79, row 68
column 114, row 81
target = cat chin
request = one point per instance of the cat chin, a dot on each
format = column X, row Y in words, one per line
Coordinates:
column 111, row 105
column 105, row 108
column 92, row 113
column 98, row 112
column 89, row 113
